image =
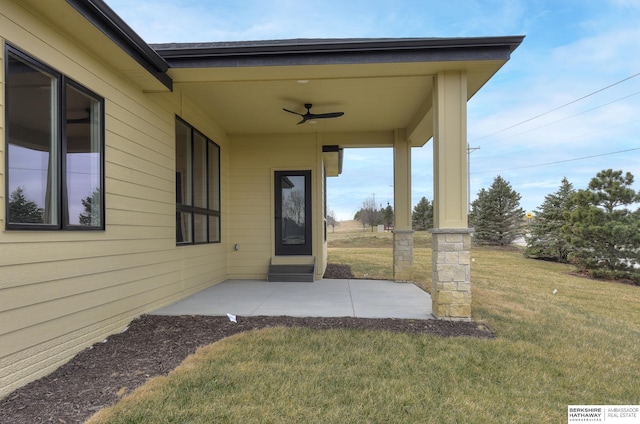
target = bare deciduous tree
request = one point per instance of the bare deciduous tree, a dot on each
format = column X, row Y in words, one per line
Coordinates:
column 331, row 220
column 368, row 214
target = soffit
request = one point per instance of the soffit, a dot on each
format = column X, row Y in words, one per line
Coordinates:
column 376, row 98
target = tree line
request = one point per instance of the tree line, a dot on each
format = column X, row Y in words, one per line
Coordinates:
column 370, row 216
column 593, row 228
column 22, row 210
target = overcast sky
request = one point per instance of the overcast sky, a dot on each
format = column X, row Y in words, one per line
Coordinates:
column 567, row 104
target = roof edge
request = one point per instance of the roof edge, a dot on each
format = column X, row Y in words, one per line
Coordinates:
column 106, row 20
column 306, row 46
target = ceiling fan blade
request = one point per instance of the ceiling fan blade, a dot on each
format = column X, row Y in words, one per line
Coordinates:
column 290, row 111
column 304, row 117
column 310, row 116
column 79, row 121
column 325, row 115
column 83, row 120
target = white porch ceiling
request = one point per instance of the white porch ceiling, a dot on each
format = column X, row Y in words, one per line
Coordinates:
column 370, row 104
column 376, row 98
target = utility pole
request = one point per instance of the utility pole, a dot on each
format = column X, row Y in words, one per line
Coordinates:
column 469, row 150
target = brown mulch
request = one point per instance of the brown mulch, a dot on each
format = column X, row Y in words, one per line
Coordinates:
column 154, row 345
column 338, row 272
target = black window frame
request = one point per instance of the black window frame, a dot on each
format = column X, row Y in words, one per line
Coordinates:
column 191, row 209
column 61, row 190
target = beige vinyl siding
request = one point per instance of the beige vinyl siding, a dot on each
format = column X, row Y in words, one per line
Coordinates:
column 253, row 162
column 61, row 291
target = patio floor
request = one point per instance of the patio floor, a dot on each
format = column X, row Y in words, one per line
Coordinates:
column 322, row 298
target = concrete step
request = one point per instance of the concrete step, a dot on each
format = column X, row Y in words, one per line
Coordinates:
column 291, row 273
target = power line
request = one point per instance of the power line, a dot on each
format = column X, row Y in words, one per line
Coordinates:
column 558, row 108
column 564, row 119
column 556, row 162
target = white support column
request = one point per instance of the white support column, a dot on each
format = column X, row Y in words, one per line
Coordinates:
column 451, row 237
column 402, row 231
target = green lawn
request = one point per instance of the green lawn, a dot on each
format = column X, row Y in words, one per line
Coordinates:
column 578, row 346
column 371, row 254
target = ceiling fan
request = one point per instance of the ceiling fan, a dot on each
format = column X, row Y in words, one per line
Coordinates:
column 310, row 116
column 83, row 120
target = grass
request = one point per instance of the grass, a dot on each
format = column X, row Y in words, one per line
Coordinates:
column 579, row 346
column 371, row 254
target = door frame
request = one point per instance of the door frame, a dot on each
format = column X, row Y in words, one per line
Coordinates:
column 281, row 249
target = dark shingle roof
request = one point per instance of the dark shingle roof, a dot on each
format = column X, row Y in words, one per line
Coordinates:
column 338, row 50
column 157, row 58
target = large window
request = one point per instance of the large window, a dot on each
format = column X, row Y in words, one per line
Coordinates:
column 55, row 149
column 197, row 187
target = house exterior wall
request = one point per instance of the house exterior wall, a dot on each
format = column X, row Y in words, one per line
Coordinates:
column 61, row 291
column 254, row 159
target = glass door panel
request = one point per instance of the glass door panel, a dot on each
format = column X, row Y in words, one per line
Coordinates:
column 293, row 213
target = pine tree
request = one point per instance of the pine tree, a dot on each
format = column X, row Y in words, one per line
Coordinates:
column 91, row 213
column 545, row 239
column 387, row 216
column 496, row 214
column 422, row 215
column 23, row 210
column 604, row 233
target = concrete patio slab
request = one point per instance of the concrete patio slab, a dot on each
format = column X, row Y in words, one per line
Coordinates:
column 322, row 298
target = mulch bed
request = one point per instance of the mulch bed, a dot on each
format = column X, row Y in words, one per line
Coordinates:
column 338, row 272
column 154, row 345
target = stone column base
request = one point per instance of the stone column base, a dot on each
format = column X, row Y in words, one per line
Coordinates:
column 403, row 256
column 451, row 282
